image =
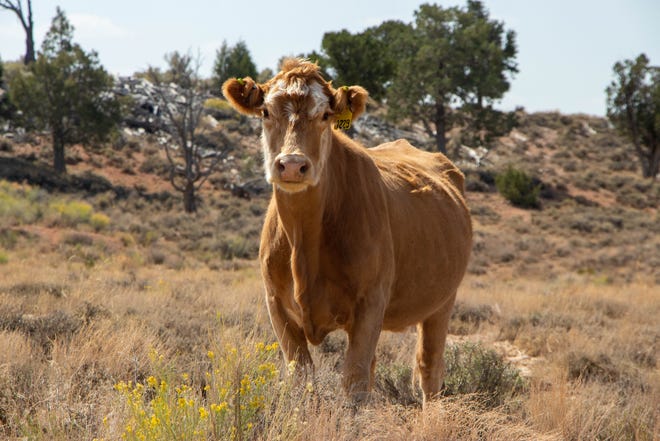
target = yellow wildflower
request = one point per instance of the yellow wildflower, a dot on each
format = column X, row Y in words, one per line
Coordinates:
column 219, row 407
column 203, row 414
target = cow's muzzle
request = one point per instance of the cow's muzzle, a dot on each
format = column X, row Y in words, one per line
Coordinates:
column 292, row 168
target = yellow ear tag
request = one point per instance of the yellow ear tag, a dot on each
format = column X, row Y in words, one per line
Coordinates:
column 343, row 120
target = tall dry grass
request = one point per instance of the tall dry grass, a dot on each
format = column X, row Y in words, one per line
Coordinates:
column 70, row 333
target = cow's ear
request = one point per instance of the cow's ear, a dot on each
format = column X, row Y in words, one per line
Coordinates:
column 354, row 98
column 244, row 95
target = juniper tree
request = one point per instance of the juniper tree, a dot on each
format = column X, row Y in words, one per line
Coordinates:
column 232, row 62
column 67, row 92
column 633, row 106
column 455, row 57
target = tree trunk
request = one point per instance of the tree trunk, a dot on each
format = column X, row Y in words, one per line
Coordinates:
column 29, row 37
column 653, row 168
column 59, row 163
column 189, row 204
column 29, row 48
column 440, row 128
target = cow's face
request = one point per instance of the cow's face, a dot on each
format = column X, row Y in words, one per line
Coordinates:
column 298, row 109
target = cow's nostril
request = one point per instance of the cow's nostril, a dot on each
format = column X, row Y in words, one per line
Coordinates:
column 281, row 166
column 303, row 169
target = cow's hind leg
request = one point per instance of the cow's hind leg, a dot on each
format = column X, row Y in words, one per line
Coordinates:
column 431, row 337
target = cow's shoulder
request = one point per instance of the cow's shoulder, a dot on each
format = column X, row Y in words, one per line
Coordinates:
column 401, row 162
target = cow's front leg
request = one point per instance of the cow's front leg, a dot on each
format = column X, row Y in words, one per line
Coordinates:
column 290, row 336
column 361, row 353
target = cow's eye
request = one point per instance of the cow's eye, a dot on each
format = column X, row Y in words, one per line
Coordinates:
column 264, row 113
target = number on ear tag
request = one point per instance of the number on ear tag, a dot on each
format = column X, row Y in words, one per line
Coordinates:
column 343, row 121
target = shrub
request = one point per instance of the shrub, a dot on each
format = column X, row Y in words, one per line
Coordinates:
column 19, row 204
column 518, row 188
column 472, row 369
column 466, row 318
column 73, row 213
column 217, row 104
column 99, row 221
column 78, row 239
column 395, row 382
column 237, row 400
column 4, row 257
column 219, row 108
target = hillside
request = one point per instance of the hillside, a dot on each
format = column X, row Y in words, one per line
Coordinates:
column 115, row 305
column 597, row 215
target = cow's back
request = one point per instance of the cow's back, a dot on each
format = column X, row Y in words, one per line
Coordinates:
column 431, row 230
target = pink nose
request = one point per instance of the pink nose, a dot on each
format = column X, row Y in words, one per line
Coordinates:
column 292, row 168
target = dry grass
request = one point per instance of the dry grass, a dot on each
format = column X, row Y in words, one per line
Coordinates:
column 70, row 333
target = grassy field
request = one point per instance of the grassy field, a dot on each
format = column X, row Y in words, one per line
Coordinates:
column 144, row 352
column 123, row 318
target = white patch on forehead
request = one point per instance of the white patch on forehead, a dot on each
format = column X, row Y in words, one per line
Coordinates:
column 319, row 99
column 298, row 87
column 295, row 87
column 289, row 110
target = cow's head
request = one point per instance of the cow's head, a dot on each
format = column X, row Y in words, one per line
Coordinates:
column 298, row 109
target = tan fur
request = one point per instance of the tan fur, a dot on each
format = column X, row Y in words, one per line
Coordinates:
column 370, row 239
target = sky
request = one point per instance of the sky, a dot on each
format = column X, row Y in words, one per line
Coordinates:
column 566, row 48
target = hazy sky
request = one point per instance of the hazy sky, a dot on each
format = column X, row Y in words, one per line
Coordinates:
column 566, row 48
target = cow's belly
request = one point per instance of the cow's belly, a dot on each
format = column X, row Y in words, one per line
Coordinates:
column 431, row 258
column 415, row 307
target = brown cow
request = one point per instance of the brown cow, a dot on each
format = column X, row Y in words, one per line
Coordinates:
column 354, row 238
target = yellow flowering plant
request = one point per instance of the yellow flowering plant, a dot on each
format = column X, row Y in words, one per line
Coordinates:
column 233, row 401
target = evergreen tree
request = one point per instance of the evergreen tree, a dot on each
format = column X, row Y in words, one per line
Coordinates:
column 6, row 108
column 456, row 57
column 232, row 62
column 368, row 58
column 633, row 106
column 66, row 91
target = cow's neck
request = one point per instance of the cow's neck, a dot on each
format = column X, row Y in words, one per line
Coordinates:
column 302, row 216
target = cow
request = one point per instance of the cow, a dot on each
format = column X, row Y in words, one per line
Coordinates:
column 359, row 239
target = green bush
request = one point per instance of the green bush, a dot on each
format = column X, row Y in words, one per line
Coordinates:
column 472, row 369
column 518, row 188
column 217, row 104
column 19, row 204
